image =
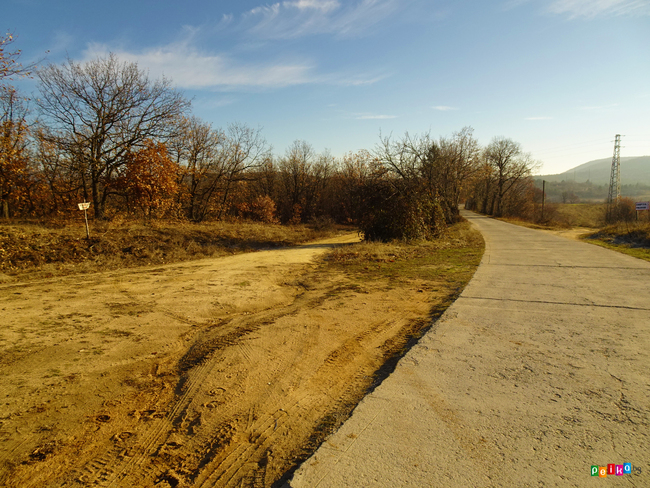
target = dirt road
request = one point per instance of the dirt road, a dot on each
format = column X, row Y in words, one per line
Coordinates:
column 220, row 372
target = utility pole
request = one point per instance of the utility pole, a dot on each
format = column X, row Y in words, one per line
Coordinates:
column 614, row 196
column 543, row 197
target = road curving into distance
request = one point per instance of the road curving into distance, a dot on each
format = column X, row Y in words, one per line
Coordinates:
column 539, row 371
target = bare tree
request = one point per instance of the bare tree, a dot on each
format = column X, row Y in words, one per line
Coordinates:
column 510, row 165
column 294, row 169
column 213, row 162
column 9, row 65
column 446, row 166
column 197, row 149
column 100, row 110
column 244, row 150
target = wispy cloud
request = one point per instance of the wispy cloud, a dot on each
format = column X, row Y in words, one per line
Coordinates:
column 193, row 68
column 62, row 42
column 595, row 8
column 444, row 108
column 599, row 107
column 375, row 117
column 189, row 68
column 292, row 19
column 322, row 5
column 588, row 9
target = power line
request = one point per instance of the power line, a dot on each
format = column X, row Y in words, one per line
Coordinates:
column 575, row 145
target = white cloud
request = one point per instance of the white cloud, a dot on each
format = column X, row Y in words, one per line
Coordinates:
column 188, row 68
column 325, row 6
column 599, row 107
column 376, row 117
column 596, row 8
column 292, row 19
column 444, row 108
column 354, row 80
column 62, row 42
column 193, row 68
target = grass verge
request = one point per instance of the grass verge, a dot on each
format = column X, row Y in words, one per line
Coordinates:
column 34, row 251
column 630, row 238
column 562, row 216
column 452, row 259
column 443, row 266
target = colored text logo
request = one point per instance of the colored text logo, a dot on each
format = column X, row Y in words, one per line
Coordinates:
column 614, row 470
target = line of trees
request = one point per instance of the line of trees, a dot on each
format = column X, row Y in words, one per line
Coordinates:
column 106, row 133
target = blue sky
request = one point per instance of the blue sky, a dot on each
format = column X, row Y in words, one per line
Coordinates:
column 561, row 77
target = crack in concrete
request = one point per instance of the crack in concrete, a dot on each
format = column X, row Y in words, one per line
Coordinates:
column 562, row 266
column 554, row 303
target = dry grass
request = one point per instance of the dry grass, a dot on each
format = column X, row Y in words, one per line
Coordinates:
column 451, row 260
column 631, row 238
column 591, row 215
column 567, row 216
column 36, row 250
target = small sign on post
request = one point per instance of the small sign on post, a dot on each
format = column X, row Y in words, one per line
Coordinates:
column 641, row 206
column 85, row 206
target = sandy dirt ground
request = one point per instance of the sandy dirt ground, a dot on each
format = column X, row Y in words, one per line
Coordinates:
column 222, row 372
column 574, row 233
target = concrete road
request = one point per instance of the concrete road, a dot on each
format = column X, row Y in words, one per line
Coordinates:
column 539, row 371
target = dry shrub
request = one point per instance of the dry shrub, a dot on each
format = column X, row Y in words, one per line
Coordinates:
column 630, row 234
column 391, row 210
column 262, row 209
column 623, row 211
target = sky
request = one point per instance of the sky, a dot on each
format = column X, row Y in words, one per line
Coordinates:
column 561, row 77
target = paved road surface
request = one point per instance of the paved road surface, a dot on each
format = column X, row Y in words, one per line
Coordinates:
column 538, row 371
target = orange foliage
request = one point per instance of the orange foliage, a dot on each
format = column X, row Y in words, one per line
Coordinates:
column 14, row 162
column 151, row 179
column 261, row 209
column 9, row 65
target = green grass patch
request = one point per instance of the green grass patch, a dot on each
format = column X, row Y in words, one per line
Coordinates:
column 451, row 260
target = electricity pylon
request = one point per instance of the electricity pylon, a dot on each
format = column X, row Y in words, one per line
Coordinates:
column 614, row 196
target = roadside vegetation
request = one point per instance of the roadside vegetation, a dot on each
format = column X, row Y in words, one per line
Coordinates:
column 36, row 251
column 104, row 134
column 164, row 185
column 631, row 238
column 442, row 265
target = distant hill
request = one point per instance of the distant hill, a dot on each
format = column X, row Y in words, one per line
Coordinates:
column 633, row 170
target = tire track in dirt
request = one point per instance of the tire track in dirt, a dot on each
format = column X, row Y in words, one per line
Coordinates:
column 248, row 463
column 263, row 363
column 114, row 467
